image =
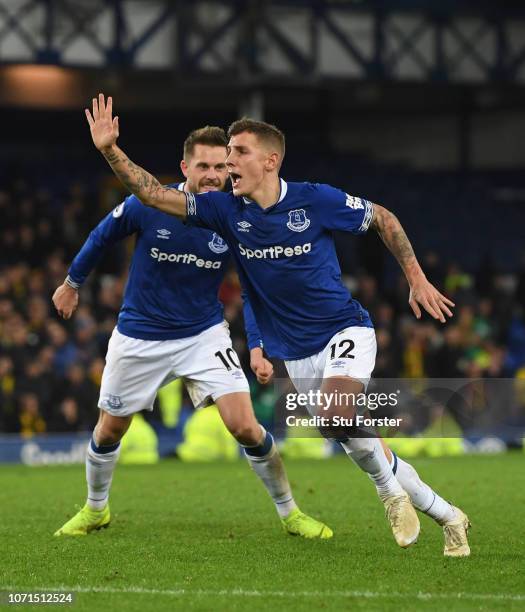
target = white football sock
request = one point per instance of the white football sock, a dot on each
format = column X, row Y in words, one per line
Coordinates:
column 368, row 454
column 423, row 497
column 100, row 464
column 268, row 465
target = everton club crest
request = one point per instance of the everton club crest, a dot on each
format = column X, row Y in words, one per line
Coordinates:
column 217, row 244
column 297, row 220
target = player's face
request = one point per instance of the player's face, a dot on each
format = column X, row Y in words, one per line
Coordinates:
column 247, row 161
column 206, row 169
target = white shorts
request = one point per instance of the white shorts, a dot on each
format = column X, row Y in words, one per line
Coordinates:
column 136, row 369
column 351, row 352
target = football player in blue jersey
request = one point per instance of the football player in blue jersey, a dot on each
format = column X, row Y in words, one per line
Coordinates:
column 171, row 325
column 280, row 235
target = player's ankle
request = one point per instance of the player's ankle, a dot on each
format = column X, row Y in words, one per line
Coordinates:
column 285, row 508
column 97, row 505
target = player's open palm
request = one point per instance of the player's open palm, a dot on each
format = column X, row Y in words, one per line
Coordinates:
column 423, row 293
column 103, row 126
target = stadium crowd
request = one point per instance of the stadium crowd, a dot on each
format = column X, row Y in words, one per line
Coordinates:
column 50, row 369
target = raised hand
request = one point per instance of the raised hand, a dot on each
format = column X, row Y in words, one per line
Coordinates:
column 65, row 300
column 425, row 294
column 104, row 128
column 150, row 191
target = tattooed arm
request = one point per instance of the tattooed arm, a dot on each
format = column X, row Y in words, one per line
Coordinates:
column 144, row 185
column 105, row 131
column 422, row 292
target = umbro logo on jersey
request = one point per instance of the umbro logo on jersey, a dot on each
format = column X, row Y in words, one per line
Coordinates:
column 243, row 226
column 163, row 233
column 297, row 220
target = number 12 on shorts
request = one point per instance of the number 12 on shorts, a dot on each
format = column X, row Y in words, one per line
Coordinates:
column 346, row 346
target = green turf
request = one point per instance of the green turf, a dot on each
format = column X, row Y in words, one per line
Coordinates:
column 205, row 537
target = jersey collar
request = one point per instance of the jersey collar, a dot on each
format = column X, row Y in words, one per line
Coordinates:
column 181, row 186
column 283, row 189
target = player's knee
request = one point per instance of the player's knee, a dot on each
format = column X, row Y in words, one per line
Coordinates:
column 337, row 422
column 246, row 433
column 109, row 431
column 104, row 437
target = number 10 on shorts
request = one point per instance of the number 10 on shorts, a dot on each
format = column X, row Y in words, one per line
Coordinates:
column 228, row 358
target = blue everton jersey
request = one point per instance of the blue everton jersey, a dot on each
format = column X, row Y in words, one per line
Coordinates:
column 174, row 276
column 287, row 261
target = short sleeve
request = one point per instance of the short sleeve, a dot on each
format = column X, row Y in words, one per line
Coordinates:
column 340, row 211
column 208, row 210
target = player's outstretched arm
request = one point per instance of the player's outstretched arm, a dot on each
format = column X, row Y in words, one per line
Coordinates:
column 422, row 292
column 104, row 132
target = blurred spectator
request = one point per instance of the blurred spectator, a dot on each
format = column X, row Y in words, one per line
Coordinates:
column 95, row 371
column 34, row 380
column 20, row 344
column 450, row 361
column 433, row 268
column 70, row 417
column 85, row 330
column 457, row 281
column 387, row 361
column 8, row 407
column 79, row 386
column 64, row 348
column 29, row 420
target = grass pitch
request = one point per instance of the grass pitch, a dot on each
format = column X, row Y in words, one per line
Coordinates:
column 206, row 537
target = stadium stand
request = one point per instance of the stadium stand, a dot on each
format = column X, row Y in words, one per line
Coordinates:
column 50, row 369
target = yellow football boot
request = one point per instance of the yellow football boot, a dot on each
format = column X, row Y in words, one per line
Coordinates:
column 298, row 523
column 84, row 521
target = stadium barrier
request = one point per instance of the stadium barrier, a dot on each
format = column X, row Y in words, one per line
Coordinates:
column 54, row 449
